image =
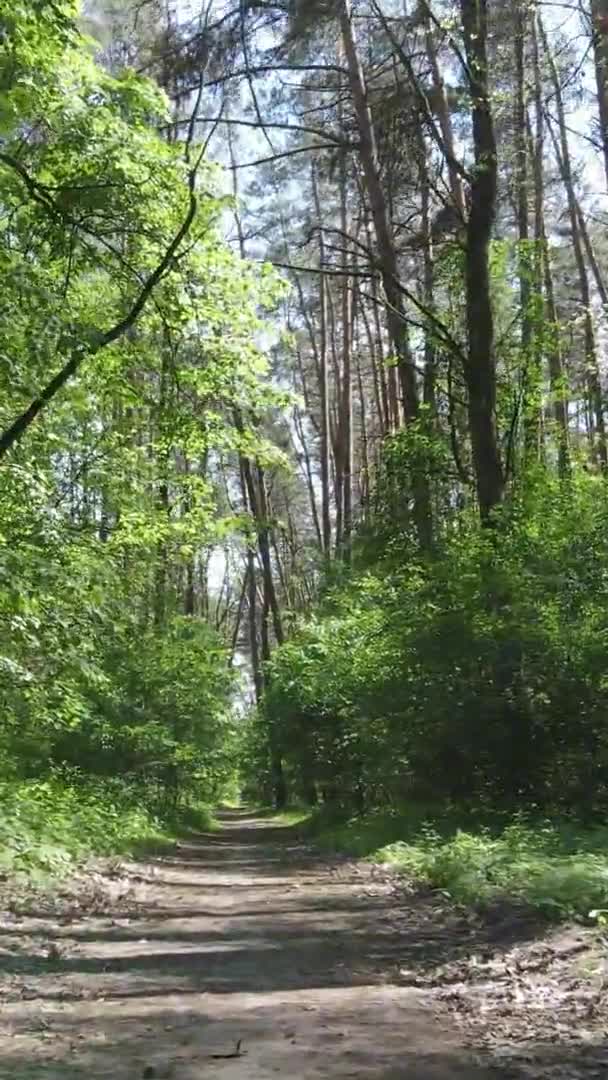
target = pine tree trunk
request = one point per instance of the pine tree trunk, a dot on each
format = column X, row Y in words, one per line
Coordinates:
column 599, row 19
column 562, row 154
column 443, row 115
column 323, row 388
column 543, row 277
column 346, row 395
column 479, row 367
column 529, row 357
column 161, row 571
column 387, row 261
column 386, row 251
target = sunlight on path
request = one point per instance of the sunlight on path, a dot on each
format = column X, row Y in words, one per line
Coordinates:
column 241, row 955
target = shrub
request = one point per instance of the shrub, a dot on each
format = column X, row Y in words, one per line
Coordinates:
column 480, row 675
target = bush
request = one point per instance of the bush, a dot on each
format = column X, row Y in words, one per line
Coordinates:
column 47, row 827
column 559, row 868
column 478, row 676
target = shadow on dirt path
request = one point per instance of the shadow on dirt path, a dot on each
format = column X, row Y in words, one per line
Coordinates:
column 243, row 954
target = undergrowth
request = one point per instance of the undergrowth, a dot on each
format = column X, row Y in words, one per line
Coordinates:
column 290, row 815
column 560, row 868
column 49, row 827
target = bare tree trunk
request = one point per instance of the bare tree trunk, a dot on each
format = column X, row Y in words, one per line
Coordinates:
column 543, row 277
column 336, row 433
column 323, row 388
column 260, row 656
column 529, row 358
column 346, row 394
column 562, row 154
column 387, row 258
column 594, row 265
column 428, row 282
column 388, row 376
column 252, row 596
column 443, row 115
column 387, row 261
column 557, row 381
column 299, row 428
column 380, row 394
column 256, row 493
column 364, row 470
column 238, row 618
column 599, row 30
column 160, row 582
column 479, row 366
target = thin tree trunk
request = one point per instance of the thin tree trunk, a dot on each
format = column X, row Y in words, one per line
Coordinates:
column 256, row 492
column 160, row 582
column 380, row 395
column 562, row 154
column 252, row 619
column 557, row 381
column 387, row 261
column 529, row 358
column 387, row 257
column 594, row 265
column 299, row 428
column 428, row 282
column 236, row 628
column 443, row 115
column 599, row 30
column 323, row 389
column 364, row 470
column 543, row 277
column 346, row 395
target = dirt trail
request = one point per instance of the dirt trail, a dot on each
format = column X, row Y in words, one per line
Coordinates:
column 244, row 939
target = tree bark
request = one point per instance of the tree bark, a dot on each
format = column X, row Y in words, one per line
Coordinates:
column 443, row 115
column 562, row 154
column 387, row 257
column 529, row 357
column 599, row 30
column 346, row 391
column 323, row 387
column 479, row 365
column 387, row 261
column 543, row 277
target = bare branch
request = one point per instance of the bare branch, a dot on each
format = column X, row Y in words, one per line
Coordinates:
column 284, row 154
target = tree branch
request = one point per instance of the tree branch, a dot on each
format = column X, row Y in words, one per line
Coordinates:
column 100, row 341
column 263, row 124
column 284, row 154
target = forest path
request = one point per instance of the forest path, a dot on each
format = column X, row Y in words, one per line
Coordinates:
column 238, row 938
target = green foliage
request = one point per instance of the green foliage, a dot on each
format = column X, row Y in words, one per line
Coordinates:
column 480, row 675
column 556, row 867
column 108, row 504
column 48, row 826
column 414, row 454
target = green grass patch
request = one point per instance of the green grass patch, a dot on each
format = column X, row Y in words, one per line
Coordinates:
column 294, row 815
column 557, row 867
column 49, row 827
column 291, row 815
column 190, row 818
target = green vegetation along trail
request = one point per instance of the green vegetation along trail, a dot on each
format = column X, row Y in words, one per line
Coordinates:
column 243, row 955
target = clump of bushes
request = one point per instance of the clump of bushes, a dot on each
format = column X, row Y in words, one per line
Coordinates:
column 560, row 869
column 479, row 675
column 48, row 826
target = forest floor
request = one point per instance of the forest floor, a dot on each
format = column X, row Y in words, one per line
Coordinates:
column 243, row 955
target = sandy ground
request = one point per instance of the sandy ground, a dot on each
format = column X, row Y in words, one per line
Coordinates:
column 243, row 954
